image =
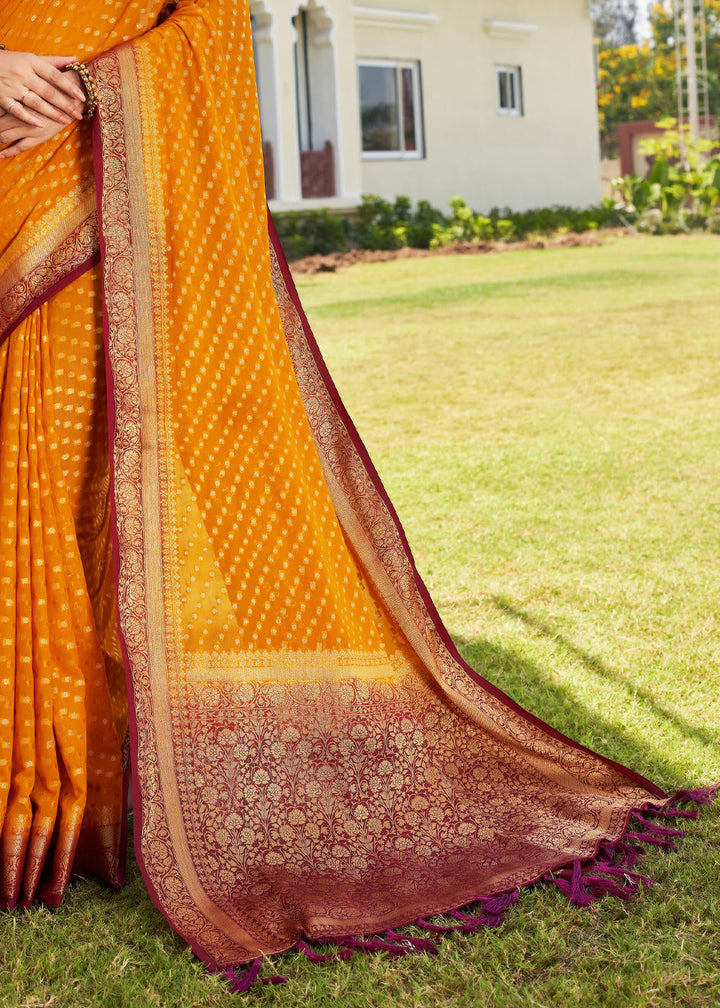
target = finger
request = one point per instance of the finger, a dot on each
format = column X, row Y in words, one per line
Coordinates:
column 25, row 143
column 42, row 108
column 62, row 81
column 12, row 129
column 54, row 105
column 19, row 111
column 65, row 99
column 11, row 133
column 59, row 61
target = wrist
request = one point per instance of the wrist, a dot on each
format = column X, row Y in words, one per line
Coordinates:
column 88, row 85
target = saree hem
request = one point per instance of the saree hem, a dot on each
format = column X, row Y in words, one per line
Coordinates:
column 610, row 872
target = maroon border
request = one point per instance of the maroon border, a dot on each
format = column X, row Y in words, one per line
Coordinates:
column 50, row 292
column 110, row 408
column 377, row 483
column 131, row 775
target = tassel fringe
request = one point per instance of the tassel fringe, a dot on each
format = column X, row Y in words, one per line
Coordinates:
column 610, row 873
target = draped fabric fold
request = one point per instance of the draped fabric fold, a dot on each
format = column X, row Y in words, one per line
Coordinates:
column 310, row 754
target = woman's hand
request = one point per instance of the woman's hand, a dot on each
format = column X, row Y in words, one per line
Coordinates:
column 33, row 89
column 22, row 136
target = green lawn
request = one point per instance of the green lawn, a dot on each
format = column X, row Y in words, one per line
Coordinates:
column 547, row 424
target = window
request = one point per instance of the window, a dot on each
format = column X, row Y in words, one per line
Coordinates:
column 390, row 109
column 510, row 99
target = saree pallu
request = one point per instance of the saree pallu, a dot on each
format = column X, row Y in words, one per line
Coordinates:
column 310, row 754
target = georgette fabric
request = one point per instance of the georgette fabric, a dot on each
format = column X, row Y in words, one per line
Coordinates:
column 310, row 754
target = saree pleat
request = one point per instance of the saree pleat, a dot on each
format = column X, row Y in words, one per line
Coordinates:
column 310, row 754
column 63, row 780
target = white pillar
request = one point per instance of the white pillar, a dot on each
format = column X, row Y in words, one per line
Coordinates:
column 288, row 157
column 692, row 80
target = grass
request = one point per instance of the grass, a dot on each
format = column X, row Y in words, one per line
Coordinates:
column 547, row 426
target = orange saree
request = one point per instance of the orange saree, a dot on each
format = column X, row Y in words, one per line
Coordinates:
column 311, row 757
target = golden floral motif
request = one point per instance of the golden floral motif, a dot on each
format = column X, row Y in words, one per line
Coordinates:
column 277, row 799
column 75, row 249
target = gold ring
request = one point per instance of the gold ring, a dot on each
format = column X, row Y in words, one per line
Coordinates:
column 13, row 102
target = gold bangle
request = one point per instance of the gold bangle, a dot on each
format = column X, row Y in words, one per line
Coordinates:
column 89, row 85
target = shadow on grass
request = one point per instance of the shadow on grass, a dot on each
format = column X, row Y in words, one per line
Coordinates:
column 553, row 703
column 684, row 727
column 455, row 294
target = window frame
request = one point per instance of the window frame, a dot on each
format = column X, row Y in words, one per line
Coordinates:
column 398, row 66
column 514, row 73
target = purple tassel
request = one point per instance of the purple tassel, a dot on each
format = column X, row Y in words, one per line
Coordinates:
column 570, row 884
column 375, row 945
column 655, row 829
column 700, row 796
column 497, row 905
column 561, row 883
column 621, row 872
column 492, row 916
column 490, row 921
column 468, row 925
column 314, row 957
column 422, row 944
column 240, row 983
column 578, row 893
column 600, row 886
column 585, row 889
column 619, row 855
column 650, row 839
column 678, row 813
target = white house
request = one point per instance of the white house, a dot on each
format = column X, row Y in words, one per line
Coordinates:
column 493, row 100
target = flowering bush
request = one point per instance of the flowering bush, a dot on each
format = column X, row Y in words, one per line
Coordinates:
column 638, row 82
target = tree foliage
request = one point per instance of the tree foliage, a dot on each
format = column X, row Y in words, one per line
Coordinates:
column 615, row 21
column 638, row 81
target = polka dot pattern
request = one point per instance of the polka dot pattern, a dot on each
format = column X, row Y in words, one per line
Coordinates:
column 259, row 562
column 59, row 750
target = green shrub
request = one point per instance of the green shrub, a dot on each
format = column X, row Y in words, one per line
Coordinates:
column 682, row 191
column 505, row 229
column 315, row 232
column 420, row 228
column 385, row 224
column 463, row 225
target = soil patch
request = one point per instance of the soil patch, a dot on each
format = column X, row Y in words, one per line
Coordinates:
column 334, row 261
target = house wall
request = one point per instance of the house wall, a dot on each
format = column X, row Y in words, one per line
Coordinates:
column 548, row 155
